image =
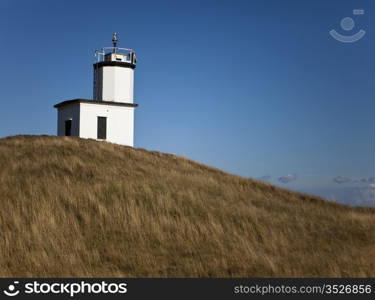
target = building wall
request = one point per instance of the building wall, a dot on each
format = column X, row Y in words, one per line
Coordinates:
column 69, row 112
column 98, row 84
column 120, row 122
column 113, row 83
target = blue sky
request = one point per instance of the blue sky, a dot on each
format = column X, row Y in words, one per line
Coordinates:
column 256, row 88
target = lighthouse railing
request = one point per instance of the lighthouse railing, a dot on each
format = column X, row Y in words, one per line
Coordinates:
column 100, row 54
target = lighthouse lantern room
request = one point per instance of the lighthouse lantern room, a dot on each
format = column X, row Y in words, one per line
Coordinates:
column 110, row 115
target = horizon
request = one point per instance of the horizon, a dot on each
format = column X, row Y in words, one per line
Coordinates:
column 255, row 88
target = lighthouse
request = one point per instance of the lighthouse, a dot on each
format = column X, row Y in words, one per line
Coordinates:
column 109, row 116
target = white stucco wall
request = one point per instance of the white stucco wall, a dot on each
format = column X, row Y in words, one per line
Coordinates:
column 98, row 84
column 120, row 122
column 69, row 112
column 113, row 83
column 84, row 116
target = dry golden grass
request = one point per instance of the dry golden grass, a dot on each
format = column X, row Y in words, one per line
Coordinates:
column 72, row 207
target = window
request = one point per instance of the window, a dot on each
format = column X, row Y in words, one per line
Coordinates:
column 102, row 128
column 68, row 127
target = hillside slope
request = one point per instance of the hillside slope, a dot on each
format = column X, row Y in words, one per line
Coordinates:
column 72, row 207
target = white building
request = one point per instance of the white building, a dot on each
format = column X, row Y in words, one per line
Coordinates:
column 110, row 115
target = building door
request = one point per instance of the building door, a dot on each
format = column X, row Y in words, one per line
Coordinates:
column 68, row 127
column 102, row 128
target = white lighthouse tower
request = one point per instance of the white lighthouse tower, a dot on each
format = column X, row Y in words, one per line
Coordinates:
column 110, row 115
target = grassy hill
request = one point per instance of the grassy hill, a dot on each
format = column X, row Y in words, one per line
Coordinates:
column 72, row 207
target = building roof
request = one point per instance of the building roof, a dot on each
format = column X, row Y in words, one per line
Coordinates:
column 74, row 101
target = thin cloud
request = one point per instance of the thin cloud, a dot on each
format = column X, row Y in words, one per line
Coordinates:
column 355, row 196
column 287, row 178
column 368, row 180
column 340, row 179
column 365, row 196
